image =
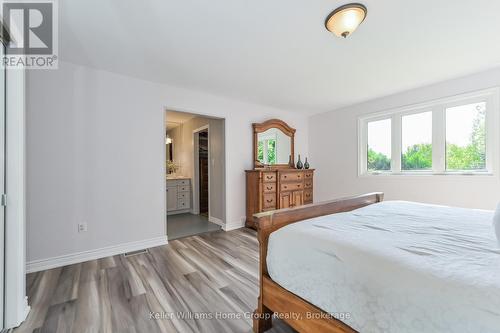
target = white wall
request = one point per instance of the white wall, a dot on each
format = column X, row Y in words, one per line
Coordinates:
column 96, row 152
column 334, row 153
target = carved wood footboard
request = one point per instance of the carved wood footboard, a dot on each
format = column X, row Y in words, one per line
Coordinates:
column 275, row 299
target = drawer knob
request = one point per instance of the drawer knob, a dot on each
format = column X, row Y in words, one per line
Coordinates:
column 269, row 200
column 269, row 188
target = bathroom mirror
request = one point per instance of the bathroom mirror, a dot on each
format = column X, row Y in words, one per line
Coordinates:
column 170, row 148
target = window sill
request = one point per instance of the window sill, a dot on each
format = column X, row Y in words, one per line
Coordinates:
column 426, row 174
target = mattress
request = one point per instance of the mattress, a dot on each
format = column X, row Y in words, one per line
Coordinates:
column 395, row 266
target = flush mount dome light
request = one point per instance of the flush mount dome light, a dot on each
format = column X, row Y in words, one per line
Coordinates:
column 345, row 19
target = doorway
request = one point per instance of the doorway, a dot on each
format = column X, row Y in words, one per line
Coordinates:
column 203, row 174
column 195, row 154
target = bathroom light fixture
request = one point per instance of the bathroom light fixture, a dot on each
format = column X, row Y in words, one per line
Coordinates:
column 168, row 140
column 344, row 20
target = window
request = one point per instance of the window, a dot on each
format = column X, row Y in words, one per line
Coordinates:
column 466, row 137
column 457, row 135
column 266, row 151
column 416, row 141
column 379, row 145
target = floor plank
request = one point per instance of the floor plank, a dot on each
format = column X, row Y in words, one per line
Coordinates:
column 188, row 285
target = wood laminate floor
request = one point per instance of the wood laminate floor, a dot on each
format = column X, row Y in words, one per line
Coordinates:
column 188, row 284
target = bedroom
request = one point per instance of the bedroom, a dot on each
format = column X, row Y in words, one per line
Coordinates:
column 389, row 227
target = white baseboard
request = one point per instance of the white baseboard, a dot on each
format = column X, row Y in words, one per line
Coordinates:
column 74, row 258
column 216, row 221
column 233, row 225
column 181, row 211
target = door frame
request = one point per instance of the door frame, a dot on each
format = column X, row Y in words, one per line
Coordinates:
column 196, row 169
column 3, row 164
column 16, row 306
column 223, row 222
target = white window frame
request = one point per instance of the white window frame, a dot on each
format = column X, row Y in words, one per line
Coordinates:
column 265, row 138
column 438, row 108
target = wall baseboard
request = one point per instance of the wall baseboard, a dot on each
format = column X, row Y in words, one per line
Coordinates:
column 233, row 225
column 74, row 258
column 181, row 211
column 216, row 221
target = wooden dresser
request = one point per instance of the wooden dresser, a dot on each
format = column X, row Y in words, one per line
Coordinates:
column 270, row 189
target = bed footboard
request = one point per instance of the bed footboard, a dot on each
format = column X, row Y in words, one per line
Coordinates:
column 273, row 298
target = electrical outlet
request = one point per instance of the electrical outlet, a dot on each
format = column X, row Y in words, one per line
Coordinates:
column 82, row 227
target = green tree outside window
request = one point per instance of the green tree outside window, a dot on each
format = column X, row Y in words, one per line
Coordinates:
column 419, row 156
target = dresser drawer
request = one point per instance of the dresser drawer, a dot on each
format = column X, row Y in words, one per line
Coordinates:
column 308, row 175
column 269, row 201
column 183, row 182
column 183, row 195
column 183, row 188
column 291, row 186
column 291, row 176
column 308, row 183
column 172, row 182
column 308, row 196
column 269, row 187
column 269, row 177
column 183, row 203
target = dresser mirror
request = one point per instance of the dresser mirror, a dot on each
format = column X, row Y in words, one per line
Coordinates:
column 273, row 142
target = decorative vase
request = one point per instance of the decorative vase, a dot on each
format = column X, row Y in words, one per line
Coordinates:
column 299, row 163
column 306, row 164
column 290, row 161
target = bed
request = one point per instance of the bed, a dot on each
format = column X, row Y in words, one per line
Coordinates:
column 360, row 264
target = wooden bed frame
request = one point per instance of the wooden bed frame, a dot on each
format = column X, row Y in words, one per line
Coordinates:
column 275, row 299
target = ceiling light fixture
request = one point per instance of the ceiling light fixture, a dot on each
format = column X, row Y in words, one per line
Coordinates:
column 344, row 20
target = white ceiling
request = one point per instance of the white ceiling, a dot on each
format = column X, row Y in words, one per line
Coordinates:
column 278, row 52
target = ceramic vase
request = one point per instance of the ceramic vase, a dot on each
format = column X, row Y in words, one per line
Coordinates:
column 299, row 163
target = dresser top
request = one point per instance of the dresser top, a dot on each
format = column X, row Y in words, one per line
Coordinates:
column 279, row 170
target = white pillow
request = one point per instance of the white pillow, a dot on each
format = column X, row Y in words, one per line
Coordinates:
column 496, row 222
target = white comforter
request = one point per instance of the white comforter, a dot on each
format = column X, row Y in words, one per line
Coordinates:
column 395, row 267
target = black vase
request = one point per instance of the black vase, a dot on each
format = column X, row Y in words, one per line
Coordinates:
column 306, row 164
column 299, row 164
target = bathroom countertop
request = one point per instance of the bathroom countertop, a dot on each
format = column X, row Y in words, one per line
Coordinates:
column 177, row 178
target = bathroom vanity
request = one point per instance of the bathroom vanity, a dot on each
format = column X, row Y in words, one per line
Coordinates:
column 178, row 195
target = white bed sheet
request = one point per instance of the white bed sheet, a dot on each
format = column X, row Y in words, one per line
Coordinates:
column 395, row 267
